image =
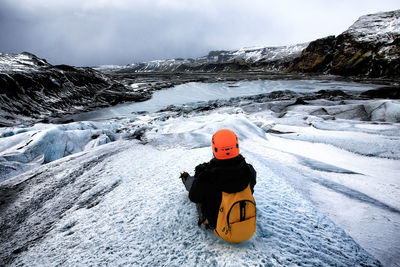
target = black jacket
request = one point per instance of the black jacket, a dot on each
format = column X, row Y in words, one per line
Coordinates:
column 217, row 176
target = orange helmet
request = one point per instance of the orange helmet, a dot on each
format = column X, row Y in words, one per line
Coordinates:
column 225, row 144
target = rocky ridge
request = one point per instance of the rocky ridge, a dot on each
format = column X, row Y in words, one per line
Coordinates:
column 33, row 89
column 244, row 59
column 370, row 47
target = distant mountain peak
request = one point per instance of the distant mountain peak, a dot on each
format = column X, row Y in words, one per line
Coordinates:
column 248, row 58
column 379, row 27
column 370, row 47
column 21, row 62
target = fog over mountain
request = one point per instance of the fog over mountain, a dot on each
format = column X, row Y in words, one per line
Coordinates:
column 87, row 33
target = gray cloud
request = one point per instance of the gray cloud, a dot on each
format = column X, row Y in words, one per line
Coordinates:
column 96, row 32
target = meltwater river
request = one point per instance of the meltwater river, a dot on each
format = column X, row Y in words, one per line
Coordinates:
column 197, row 91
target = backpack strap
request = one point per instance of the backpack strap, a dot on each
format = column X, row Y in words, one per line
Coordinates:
column 242, row 205
column 242, row 210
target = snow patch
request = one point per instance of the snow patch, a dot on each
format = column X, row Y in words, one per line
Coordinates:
column 379, row 27
column 197, row 131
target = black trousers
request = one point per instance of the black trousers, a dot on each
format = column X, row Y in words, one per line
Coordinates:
column 188, row 184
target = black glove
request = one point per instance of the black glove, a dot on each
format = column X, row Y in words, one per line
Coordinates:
column 184, row 176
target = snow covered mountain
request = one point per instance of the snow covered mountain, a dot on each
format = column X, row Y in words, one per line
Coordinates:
column 381, row 27
column 23, row 62
column 254, row 54
column 370, row 47
column 31, row 88
column 253, row 58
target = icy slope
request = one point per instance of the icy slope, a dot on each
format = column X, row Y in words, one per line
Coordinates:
column 22, row 149
column 123, row 203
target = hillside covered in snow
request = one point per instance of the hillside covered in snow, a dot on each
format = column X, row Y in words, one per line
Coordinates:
column 31, row 89
column 370, row 47
column 244, row 59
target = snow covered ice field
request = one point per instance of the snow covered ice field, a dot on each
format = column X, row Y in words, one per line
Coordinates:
column 327, row 193
column 195, row 91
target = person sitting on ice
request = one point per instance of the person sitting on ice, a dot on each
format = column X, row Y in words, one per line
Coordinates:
column 223, row 176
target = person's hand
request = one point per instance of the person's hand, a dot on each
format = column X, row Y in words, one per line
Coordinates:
column 184, row 176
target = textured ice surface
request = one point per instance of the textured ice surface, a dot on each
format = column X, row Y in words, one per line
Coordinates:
column 29, row 147
column 357, row 142
column 123, row 204
column 196, row 91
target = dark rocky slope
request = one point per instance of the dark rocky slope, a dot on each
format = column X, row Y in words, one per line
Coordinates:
column 370, row 47
column 32, row 89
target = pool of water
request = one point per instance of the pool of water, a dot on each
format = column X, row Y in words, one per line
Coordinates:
column 196, row 91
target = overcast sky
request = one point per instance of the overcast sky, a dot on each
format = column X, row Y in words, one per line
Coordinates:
column 94, row 32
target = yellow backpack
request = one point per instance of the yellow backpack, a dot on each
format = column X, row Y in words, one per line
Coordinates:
column 236, row 220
